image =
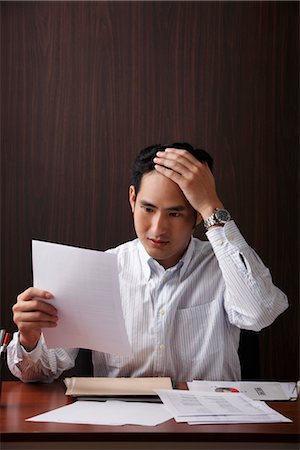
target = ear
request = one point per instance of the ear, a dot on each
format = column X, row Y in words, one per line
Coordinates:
column 132, row 197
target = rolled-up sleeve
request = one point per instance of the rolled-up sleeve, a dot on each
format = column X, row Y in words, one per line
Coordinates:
column 251, row 300
column 41, row 364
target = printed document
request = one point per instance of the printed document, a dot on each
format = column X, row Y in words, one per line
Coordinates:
column 85, row 286
column 199, row 407
column 256, row 390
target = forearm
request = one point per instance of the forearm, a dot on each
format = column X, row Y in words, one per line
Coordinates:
column 252, row 301
column 41, row 364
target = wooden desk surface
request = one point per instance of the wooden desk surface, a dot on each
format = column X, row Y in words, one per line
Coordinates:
column 20, row 401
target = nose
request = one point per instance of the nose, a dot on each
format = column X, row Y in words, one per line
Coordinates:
column 159, row 224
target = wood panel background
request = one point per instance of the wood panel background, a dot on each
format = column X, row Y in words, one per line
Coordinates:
column 86, row 85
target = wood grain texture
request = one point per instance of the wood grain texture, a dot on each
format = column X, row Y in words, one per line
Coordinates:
column 86, row 85
column 20, row 401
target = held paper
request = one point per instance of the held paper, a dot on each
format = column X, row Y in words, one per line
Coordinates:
column 85, row 286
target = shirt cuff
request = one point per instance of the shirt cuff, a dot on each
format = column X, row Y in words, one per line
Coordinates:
column 35, row 354
column 226, row 240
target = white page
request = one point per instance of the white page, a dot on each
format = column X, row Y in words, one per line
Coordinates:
column 264, row 418
column 290, row 390
column 268, row 415
column 256, row 390
column 107, row 413
column 85, row 286
column 187, row 403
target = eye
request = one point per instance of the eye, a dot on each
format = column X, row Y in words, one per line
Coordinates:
column 147, row 209
column 174, row 214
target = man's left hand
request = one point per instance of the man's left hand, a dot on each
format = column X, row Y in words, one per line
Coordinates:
column 192, row 176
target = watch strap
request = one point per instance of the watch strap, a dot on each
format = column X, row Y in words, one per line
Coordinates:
column 220, row 216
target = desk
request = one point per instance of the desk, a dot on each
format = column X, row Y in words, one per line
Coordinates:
column 20, row 401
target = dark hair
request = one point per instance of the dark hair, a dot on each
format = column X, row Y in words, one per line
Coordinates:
column 144, row 161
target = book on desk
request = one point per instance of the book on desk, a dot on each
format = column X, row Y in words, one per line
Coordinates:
column 126, row 389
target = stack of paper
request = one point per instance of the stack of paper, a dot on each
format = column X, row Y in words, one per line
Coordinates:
column 256, row 390
column 208, row 408
column 107, row 413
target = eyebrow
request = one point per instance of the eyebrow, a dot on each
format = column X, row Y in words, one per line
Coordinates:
column 170, row 208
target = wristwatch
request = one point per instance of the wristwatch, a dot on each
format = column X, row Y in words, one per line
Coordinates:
column 219, row 217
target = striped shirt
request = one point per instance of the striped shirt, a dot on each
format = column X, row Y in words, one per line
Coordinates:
column 183, row 322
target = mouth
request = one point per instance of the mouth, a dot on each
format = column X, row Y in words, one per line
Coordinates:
column 158, row 243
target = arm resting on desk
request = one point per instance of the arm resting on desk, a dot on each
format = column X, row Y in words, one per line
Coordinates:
column 41, row 364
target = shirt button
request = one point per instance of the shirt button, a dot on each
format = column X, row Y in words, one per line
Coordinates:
column 219, row 242
column 162, row 346
column 162, row 312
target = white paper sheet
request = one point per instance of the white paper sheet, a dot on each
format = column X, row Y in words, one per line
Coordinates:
column 268, row 415
column 85, row 286
column 187, row 403
column 107, row 413
column 256, row 390
column 200, row 407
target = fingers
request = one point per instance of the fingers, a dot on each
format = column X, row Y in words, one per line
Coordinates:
column 193, row 177
column 34, row 292
column 32, row 312
column 168, row 172
column 180, row 161
column 35, row 311
column 32, row 324
column 180, row 166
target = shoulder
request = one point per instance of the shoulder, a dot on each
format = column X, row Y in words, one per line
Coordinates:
column 128, row 258
column 126, row 252
column 124, row 248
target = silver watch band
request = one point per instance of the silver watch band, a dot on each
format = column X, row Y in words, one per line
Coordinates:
column 220, row 216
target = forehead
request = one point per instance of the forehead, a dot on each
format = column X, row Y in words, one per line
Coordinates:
column 160, row 191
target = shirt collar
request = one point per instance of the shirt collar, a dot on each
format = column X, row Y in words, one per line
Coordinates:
column 182, row 265
column 186, row 258
column 145, row 258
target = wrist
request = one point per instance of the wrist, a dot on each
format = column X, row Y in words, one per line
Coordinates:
column 208, row 210
column 29, row 342
column 219, row 217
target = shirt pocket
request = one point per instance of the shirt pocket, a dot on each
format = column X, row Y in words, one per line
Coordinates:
column 198, row 331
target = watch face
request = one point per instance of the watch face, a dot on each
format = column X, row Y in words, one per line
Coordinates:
column 222, row 215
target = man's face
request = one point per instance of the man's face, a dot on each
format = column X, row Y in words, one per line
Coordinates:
column 163, row 218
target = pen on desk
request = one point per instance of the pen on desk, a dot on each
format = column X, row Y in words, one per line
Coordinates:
column 5, row 344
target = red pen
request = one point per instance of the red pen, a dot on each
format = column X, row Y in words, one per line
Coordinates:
column 5, row 343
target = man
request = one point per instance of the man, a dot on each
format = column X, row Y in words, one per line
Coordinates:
column 184, row 300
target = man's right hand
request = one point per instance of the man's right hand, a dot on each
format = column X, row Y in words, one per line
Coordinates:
column 31, row 314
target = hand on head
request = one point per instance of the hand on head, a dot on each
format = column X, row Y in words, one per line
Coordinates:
column 192, row 176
